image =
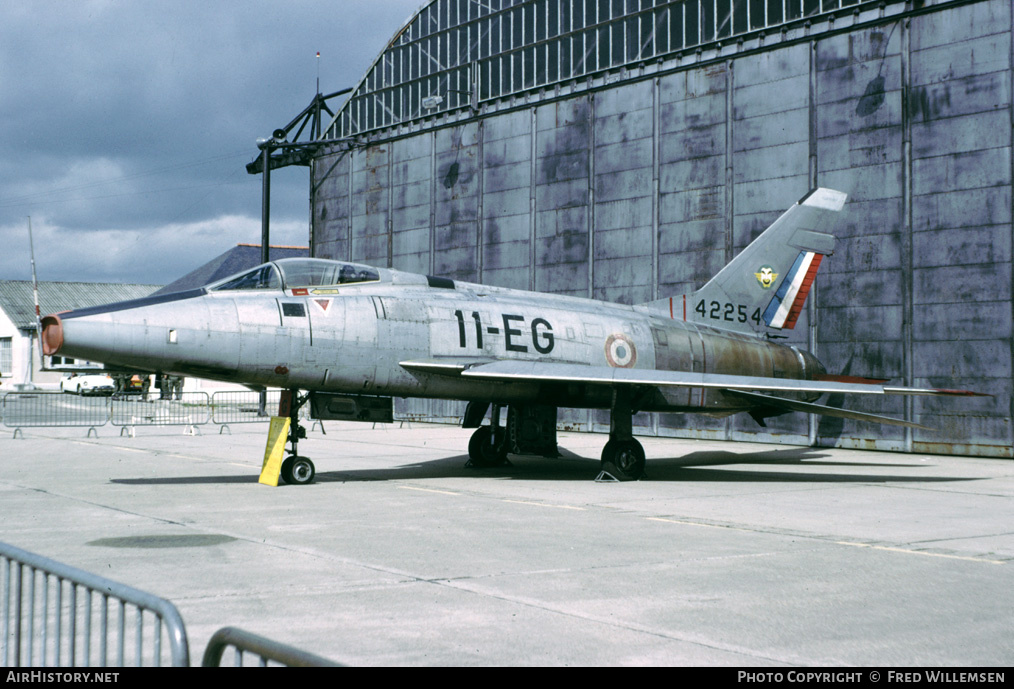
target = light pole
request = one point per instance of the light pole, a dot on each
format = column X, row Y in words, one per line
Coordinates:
column 266, row 146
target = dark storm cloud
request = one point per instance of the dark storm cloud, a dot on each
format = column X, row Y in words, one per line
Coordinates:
column 127, row 125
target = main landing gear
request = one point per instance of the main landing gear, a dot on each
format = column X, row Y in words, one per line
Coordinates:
column 622, row 457
column 488, row 445
column 531, row 429
column 296, row 470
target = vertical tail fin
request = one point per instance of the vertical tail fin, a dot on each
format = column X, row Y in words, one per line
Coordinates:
column 766, row 285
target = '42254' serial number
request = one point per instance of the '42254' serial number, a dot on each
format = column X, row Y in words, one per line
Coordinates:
column 732, row 313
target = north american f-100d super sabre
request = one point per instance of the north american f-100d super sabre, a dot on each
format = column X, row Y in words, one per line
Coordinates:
column 354, row 336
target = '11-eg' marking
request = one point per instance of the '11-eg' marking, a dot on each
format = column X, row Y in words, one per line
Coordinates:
column 542, row 332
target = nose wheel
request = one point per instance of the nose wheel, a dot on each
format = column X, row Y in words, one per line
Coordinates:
column 298, row 470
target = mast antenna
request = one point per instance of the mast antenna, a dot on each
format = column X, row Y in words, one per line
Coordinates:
column 35, row 293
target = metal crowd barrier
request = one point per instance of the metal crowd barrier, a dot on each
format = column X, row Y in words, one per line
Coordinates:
column 266, row 651
column 56, row 615
column 191, row 409
column 238, row 406
column 22, row 409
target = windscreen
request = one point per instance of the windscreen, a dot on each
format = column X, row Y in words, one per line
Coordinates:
column 261, row 277
column 309, row 272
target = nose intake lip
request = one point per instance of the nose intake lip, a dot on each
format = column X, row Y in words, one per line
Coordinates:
column 52, row 334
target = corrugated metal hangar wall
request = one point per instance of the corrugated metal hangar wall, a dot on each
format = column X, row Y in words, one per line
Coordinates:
column 641, row 181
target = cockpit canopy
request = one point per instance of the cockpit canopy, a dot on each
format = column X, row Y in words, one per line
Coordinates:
column 299, row 272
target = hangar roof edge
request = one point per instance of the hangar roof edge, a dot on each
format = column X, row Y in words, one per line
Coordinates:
column 444, row 60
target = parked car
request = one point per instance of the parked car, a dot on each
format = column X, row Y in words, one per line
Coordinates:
column 89, row 384
column 127, row 384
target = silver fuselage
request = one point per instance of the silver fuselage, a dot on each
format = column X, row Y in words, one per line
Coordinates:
column 353, row 338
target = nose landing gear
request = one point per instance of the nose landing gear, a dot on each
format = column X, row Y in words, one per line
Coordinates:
column 296, row 470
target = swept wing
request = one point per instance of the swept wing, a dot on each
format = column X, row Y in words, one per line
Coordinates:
column 755, row 389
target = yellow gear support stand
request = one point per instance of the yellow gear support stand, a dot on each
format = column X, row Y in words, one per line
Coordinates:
column 278, row 434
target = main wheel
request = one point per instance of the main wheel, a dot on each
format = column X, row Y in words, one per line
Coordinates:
column 301, row 471
column 623, row 459
column 483, row 452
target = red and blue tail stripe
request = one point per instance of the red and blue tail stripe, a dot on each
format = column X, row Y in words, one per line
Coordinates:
column 787, row 304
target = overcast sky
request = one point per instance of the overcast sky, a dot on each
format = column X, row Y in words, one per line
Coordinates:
column 127, row 125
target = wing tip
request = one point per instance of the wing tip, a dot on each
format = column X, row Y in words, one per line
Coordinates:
column 943, row 392
column 961, row 393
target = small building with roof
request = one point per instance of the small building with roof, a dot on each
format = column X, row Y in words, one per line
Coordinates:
column 20, row 362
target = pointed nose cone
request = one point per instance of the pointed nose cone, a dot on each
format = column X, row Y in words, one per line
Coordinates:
column 118, row 333
column 185, row 332
column 95, row 337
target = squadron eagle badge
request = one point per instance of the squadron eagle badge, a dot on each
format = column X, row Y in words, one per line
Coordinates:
column 766, row 276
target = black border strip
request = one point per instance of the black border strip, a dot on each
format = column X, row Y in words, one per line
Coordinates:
column 134, row 303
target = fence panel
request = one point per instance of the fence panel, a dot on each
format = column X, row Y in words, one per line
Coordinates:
column 53, row 409
column 55, row 615
column 192, row 409
column 243, row 406
column 18, row 409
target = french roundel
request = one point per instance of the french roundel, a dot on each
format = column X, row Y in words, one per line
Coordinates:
column 620, row 351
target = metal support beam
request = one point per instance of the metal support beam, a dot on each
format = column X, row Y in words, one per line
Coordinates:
column 265, row 203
